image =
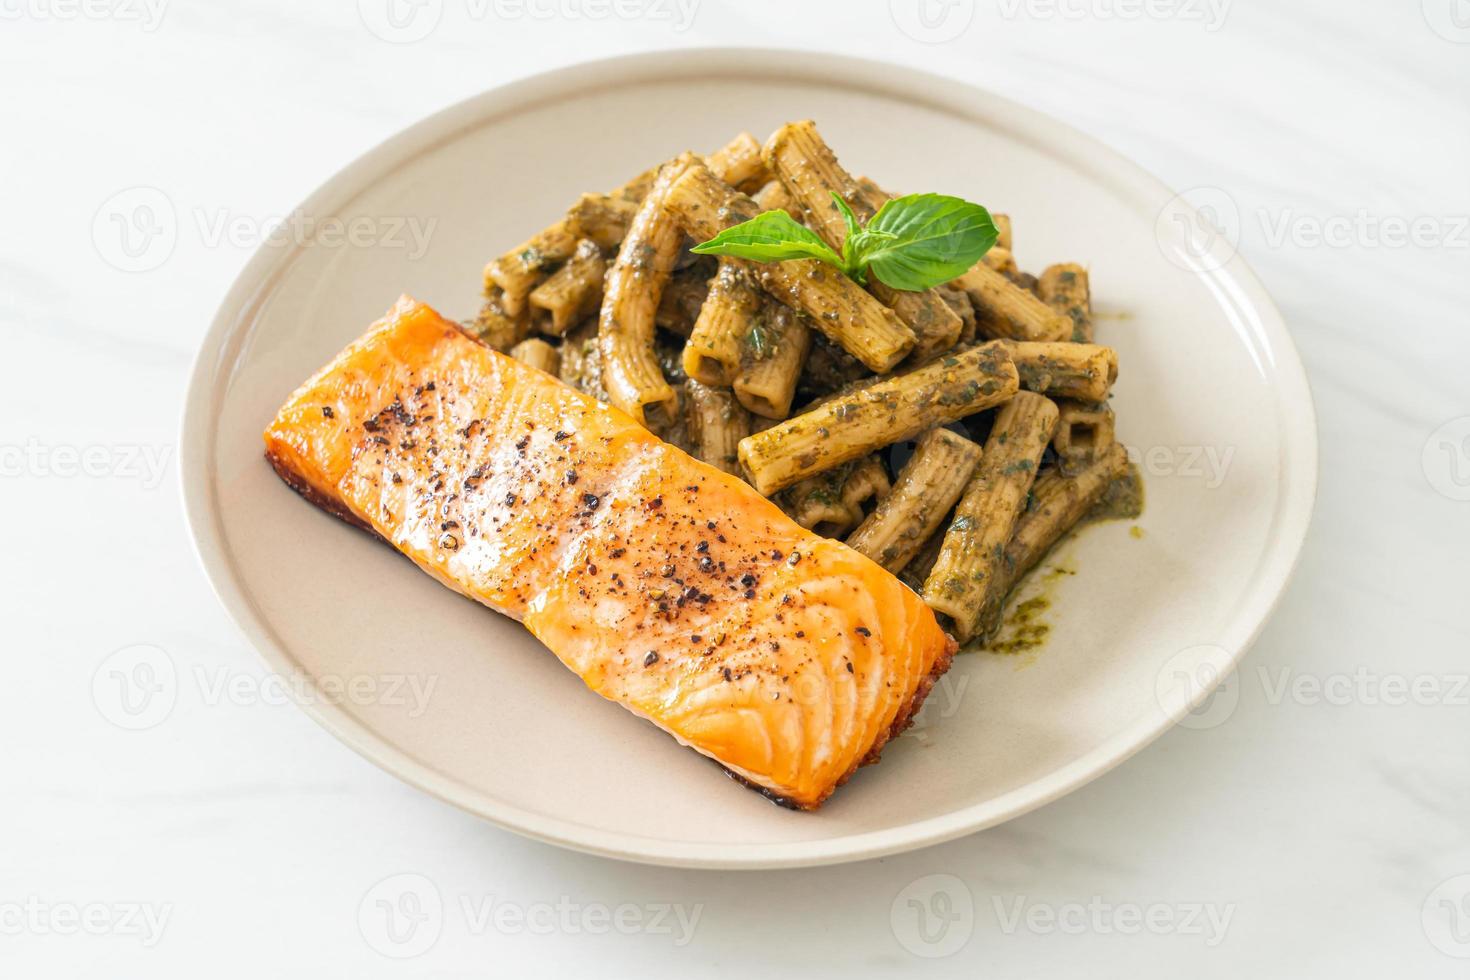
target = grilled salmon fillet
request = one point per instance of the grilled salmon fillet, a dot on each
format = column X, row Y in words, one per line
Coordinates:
column 667, row 585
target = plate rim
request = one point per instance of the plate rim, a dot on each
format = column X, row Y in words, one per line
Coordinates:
column 1296, row 417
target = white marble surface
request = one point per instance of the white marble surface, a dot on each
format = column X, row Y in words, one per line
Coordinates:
column 1321, row 829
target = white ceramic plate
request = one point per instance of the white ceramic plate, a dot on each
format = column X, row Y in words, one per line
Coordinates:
column 510, row 734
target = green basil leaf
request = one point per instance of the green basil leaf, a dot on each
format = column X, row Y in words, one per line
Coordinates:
column 934, row 239
column 772, row 236
column 850, row 240
column 847, row 216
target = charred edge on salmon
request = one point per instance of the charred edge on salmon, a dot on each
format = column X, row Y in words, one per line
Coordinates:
column 312, row 496
column 901, row 723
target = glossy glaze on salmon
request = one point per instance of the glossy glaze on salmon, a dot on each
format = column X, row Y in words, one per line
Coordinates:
column 667, row 585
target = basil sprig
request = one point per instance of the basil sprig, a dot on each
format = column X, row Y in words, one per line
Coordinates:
column 913, row 243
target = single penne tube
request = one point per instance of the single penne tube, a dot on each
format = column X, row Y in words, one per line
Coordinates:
column 1085, row 431
column 1065, row 288
column 868, row 481
column 839, row 307
column 571, row 293
column 878, row 414
column 771, row 360
column 739, row 164
column 797, row 154
column 603, row 218
column 495, row 327
column 927, row 488
column 816, row 503
column 716, row 423
column 831, row 503
column 632, row 289
column 732, row 310
column 1058, row 502
column 1005, row 311
column 967, row 582
column 538, row 354
column 1002, row 261
column 1085, row 372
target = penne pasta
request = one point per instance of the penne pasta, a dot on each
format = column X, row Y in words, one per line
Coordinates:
column 1002, row 261
column 581, row 362
column 775, row 197
column 731, row 311
column 927, row 488
column 828, row 368
column 603, row 218
column 1058, row 502
column 839, row 307
column 967, row 582
column 632, row 289
column 538, row 354
column 710, row 355
column 494, row 327
column 1084, row 433
column 919, row 567
column 868, row 481
column 1085, row 372
column 771, row 359
column 831, row 503
column 716, row 423
column 739, row 164
column 570, row 294
column 883, row 412
column 518, row 271
column 797, row 154
column 959, row 301
column 1005, row 311
column 816, row 503
column 1065, row 288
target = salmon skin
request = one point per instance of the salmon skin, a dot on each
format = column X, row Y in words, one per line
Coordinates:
column 667, row 585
